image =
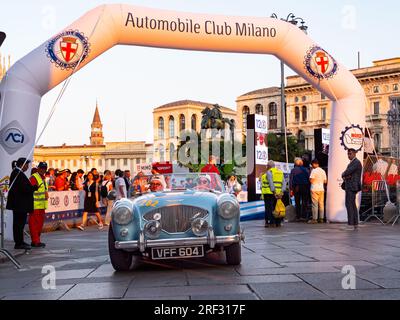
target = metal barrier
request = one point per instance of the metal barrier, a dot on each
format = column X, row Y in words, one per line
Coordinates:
column 379, row 199
column 2, row 249
column 397, row 216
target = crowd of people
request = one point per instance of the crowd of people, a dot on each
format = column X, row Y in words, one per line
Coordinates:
column 307, row 185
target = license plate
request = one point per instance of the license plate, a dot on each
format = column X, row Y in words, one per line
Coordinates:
column 177, row 252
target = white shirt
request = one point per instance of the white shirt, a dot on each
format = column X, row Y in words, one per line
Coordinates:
column 319, row 177
column 120, row 182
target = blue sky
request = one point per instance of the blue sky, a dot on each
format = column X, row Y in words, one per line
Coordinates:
column 130, row 81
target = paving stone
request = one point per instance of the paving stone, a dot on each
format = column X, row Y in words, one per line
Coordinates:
column 285, row 270
column 282, row 258
column 333, row 281
column 287, row 291
column 239, row 297
column 187, row 290
column 243, row 279
column 96, row 291
column 374, row 294
column 339, row 263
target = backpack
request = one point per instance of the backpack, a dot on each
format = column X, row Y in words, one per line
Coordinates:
column 104, row 190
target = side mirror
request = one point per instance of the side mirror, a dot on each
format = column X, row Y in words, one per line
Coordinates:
column 237, row 187
column 112, row 195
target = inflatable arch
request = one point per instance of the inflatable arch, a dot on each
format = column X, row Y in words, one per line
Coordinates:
column 108, row 25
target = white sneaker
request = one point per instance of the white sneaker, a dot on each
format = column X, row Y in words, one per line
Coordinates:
column 101, row 226
column 81, row 228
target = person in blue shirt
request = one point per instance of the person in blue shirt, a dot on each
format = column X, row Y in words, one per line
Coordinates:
column 299, row 184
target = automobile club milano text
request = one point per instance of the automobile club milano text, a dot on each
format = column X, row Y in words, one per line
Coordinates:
column 210, row 27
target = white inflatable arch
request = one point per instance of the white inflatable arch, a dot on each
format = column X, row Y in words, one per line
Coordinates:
column 108, row 25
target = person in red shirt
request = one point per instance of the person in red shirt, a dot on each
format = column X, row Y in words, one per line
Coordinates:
column 61, row 181
column 37, row 216
column 210, row 167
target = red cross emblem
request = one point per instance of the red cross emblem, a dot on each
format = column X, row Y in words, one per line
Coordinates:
column 69, row 48
column 322, row 61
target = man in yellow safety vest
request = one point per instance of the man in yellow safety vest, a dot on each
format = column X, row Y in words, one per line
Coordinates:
column 40, row 203
column 272, row 184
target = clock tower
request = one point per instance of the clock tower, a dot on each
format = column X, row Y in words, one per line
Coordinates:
column 96, row 137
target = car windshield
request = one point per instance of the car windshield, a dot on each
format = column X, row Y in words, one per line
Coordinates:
column 180, row 181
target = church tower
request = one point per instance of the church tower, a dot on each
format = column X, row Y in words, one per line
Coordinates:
column 96, row 137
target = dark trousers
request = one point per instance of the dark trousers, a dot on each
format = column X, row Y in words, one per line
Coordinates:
column 301, row 197
column 270, row 203
column 19, row 221
column 352, row 212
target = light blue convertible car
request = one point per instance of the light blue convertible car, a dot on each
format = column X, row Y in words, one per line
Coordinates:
column 181, row 216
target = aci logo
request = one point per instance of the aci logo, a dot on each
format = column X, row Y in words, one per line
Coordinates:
column 13, row 137
column 320, row 64
column 67, row 49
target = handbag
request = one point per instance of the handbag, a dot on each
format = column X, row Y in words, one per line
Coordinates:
column 280, row 210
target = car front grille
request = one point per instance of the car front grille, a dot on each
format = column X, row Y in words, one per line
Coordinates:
column 176, row 218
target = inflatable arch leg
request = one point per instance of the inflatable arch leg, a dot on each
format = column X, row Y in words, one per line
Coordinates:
column 109, row 25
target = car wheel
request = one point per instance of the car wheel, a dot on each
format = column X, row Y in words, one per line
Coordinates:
column 234, row 254
column 120, row 259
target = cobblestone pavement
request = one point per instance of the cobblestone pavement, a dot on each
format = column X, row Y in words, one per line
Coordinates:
column 298, row 261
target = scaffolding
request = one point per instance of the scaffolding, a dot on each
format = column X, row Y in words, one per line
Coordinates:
column 393, row 121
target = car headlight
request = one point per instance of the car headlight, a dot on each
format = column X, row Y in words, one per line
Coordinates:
column 228, row 209
column 152, row 229
column 199, row 227
column 122, row 215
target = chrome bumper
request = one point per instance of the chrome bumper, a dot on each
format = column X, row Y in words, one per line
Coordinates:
column 142, row 244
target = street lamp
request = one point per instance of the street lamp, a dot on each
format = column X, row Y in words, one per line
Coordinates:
column 86, row 158
column 291, row 18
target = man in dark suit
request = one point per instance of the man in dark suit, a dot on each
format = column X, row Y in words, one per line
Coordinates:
column 20, row 201
column 352, row 180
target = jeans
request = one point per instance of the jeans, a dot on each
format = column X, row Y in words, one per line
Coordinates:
column 318, row 209
column 301, row 196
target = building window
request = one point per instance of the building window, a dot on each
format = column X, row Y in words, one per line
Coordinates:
column 259, row 109
column 245, row 112
column 62, row 163
column 273, row 115
column 323, row 114
column 376, row 89
column 304, row 98
column 125, row 162
column 100, row 161
column 304, row 113
column 137, row 161
column 323, row 97
column 296, row 99
column 162, row 152
column 377, row 142
column 50, row 163
column 194, row 122
column 297, row 114
column 171, row 152
column 171, row 127
column 113, row 162
column 376, row 107
column 396, row 87
column 182, row 122
column 161, row 128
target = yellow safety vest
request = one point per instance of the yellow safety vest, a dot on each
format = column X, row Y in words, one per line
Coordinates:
column 39, row 196
column 277, row 177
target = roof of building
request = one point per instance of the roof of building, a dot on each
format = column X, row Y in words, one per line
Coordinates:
column 192, row 103
column 263, row 91
column 96, row 117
